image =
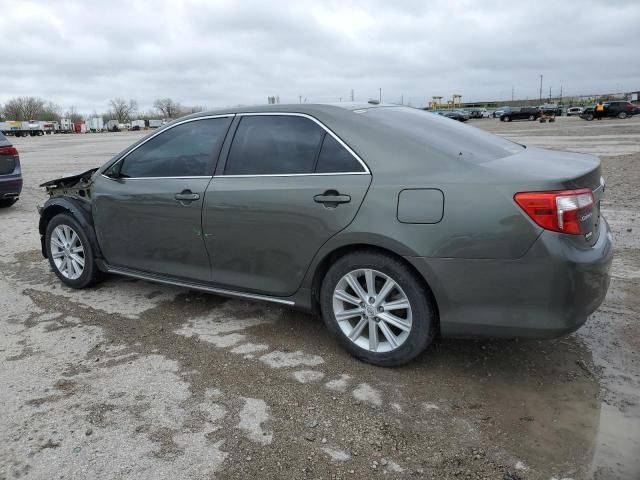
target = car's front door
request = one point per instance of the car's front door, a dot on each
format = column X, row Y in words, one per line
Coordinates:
column 287, row 186
column 147, row 207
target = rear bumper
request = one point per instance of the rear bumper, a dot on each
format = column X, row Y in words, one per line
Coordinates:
column 10, row 186
column 548, row 292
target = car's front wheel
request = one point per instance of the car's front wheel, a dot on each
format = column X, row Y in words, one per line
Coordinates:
column 70, row 253
column 377, row 308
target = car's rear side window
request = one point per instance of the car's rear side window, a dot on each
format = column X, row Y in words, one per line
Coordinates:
column 186, row 150
column 274, row 145
column 334, row 158
column 442, row 134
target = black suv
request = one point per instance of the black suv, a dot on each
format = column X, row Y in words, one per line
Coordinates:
column 520, row 113
column 10, row 174
column 620, row 109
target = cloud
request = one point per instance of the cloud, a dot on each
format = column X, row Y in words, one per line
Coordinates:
column 229, row 53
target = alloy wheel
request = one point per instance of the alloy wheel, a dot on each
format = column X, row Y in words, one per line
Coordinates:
column 67, row 252
column 372, row 310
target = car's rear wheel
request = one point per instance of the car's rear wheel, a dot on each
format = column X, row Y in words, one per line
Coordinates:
column 589, row 117
column 532, row 117
column 622, row 115
column 377, row 308
column 7, row 202
column 70, row 253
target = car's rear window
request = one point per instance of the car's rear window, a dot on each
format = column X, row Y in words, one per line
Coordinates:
column 443, row 134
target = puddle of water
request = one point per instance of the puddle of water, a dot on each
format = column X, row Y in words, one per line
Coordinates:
column 617, row 445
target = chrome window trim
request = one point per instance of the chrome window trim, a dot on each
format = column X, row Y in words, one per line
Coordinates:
column 161, row 131
column 321, row 125
column 207, row 177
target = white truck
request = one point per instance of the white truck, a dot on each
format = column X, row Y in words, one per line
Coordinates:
column 94, row 124
column 24, row 129
column 66, row 126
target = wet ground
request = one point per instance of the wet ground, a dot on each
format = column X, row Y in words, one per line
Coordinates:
column 137, row 380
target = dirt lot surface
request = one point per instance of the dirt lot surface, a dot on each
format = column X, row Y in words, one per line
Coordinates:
column 137, row 380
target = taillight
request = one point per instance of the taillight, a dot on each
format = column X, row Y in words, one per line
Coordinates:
column 9, row 151
column 560, row 211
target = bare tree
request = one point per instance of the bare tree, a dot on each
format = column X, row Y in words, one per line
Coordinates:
column 50, row 112
column 121, row 110
column 24, row 108
column 168, row 107
column 73, row 115
column 193, row 109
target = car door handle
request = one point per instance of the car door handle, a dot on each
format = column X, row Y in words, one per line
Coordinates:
column 332, row 197
column 186, row 196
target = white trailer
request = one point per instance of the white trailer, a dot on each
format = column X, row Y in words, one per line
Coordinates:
column 137, row 125
column 155, row 123
column 95, row 124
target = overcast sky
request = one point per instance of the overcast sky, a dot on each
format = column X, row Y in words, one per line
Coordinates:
column 209, row 53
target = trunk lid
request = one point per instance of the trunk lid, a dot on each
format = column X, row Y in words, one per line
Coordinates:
column 540, row 170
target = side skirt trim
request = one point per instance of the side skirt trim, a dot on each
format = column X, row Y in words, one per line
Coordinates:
column 195, row 286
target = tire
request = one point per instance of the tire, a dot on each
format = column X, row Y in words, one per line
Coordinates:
column 90, row 274
column 622, row 115
column 507, row 118
column 589, row 117
column 419, row 320
column 7, row 202
column 532, row 118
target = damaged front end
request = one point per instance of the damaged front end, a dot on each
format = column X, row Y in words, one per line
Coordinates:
column 70, row 195
column 74, row 186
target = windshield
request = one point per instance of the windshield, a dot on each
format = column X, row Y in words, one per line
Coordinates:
column 443, row 134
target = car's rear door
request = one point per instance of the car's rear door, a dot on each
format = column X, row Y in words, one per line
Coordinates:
column 286, row 187
column 147, row 207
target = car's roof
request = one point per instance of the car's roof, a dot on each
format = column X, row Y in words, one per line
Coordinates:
column 308, row 108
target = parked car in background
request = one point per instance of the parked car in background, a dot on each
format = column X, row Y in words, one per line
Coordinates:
column 459, row 115
column 479, row 113
column 571, row 111
column 10, row 173
column 520, row 113
column 387, row 255
column 616, row 109
column 551, row 109
column 499, row 111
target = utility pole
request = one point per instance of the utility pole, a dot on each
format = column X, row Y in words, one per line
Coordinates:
column 352, row 94
column 549, row 93
column 402, row 99
column 541, row 87
column 300, row 98
column 560, row 94
column 512, row 92
column 380, row 95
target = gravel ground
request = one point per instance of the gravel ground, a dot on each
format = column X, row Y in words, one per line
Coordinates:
column 137, row 380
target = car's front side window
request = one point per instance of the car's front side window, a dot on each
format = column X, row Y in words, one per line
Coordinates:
column 186, row 150
column 274, row 145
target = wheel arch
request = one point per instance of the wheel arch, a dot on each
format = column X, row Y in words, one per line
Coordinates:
column 80, row 211
column 322, row 265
